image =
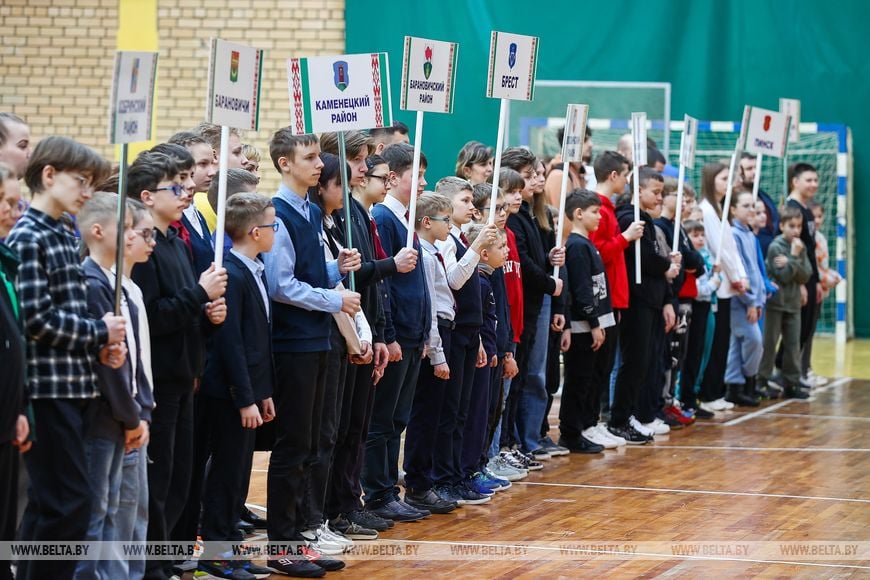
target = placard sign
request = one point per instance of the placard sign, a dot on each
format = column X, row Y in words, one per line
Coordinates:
column 235, row 75
column 428, row 75
column 575, row 132
column 690, row 138
column 513, row 60
column 339, row 93
column 638, row 138
column 132, row 103
column 792, row 108
column 766, row 132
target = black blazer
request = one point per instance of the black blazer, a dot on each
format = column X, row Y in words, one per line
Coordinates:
column 239, row 361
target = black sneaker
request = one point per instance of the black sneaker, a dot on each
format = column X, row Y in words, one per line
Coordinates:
column 469, row 496
column 540, row 453
column 393, row 510
column 321, row 561
column 254, row 519
column 429, row 501
column 255, row 569
column 700, row 413
column 448, row 493
column 424, row 512
column 225, row 569
column 582, row 445
column 369, row 520
column 792, row 392
column 296, row 566
column 631, row 435
column 351, row 530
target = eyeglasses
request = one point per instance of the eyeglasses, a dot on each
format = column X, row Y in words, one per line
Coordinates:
column 500, row 208
column 384, row 178
column 146, row 233
column 175, row 188
column 445, row 219
column 274, row 227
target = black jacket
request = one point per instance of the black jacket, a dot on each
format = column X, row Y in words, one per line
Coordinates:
column 534, row 262
column 654, row 291
column 239, row 365
column 12, row 351
column 692, row 259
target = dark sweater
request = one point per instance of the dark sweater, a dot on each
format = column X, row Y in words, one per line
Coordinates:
column 201, row 250
column 692, row 260
column 174, row 301
column 503, row 331
column 469, row 309
column 489, row 325
column 587, row 283
column 654, row 290
column 12, row 348
column 533, row 259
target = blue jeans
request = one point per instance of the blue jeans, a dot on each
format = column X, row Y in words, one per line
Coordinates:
column 533, row 404
column 744, row 348
column 131, row 523
column 104, row 458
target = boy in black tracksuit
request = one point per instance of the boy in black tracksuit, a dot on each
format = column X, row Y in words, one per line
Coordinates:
column 591, row 314
column 643, row 326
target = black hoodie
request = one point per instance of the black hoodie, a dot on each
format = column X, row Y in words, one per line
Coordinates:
column 654, row 291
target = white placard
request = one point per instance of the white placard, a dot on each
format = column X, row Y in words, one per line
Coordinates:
column 575, row 133
column 428, row 75
column 339, row 93
column 234, row 77
column 513, row 59
column 792, row 108
column 638, row 138
column 687, row 144
column 132, row 103
column 766, row 132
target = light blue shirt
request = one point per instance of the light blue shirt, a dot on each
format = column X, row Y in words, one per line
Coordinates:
column 280, row 264
column 256, row 267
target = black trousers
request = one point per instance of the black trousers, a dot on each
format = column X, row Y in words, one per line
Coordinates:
column 634, row 345
column 447, row 459
column 333, row 396
column 580, row 396
column 169, row 472
column 694, row 353
column 9, row 457
column 298, row 397
column 603, row 368
column 474, row 435
column 496, row 402
column 527, row 340
column 230, row 446
column 356, row 411
column 421, row 436
column 650, row 401
column 713, row 383
column 187, row 526
column 59, row 497
column 554, row 375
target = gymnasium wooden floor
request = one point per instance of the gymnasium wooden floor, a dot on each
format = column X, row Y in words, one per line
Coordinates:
column 781, row 491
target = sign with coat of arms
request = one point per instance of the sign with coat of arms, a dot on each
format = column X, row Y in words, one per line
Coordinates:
column 339, row 93
column 428, row 75
column 235, row 75
column 513, row 61
column 764, row 132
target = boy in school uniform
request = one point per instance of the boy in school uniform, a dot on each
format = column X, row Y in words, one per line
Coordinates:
column 433, row 217
column 466, row 352
column 788, row 265
column 62, row 340
column 301, row 286
column 236, row 393
column 179, row 307
column 115, row 424
column 409, row 304
column 591, row 315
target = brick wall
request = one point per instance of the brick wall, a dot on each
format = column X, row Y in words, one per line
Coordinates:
column 56, row 61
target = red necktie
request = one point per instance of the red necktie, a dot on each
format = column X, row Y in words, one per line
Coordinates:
column 441, row 259
column 380, row 254
column 464, row 239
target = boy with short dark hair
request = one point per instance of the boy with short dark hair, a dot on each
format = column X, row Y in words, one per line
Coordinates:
column 179, row 307
column 301, row 285
column 236, row 394
column 789, row 266
column 61, row 340
column 591, row 315
column 386, row 136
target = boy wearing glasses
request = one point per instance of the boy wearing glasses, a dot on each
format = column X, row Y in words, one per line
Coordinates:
column 61, row 339
column 178, row 308
column 236, row 395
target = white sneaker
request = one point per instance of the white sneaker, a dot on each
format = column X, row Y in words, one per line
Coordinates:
column 658, row 427
column 639, row 427
column 322, row 543
column 602, row 428
column 334, row 535
column 816, row 380
column 726, row 404
column 710, row 407
column 717, row 405
column 595, row 436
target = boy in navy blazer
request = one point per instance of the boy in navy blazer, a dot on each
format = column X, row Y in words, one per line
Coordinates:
column 236, row 392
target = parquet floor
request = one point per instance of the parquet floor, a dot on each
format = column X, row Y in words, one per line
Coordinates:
column 782, row 491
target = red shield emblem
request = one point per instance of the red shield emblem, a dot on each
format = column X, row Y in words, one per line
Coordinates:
column 767, row 120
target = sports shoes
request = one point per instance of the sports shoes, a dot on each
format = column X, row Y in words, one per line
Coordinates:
column 540, row 453
column 476, row 484
column 429, row 501
column 581, row 445
column 726, row 404
column 494, row 482
column 530, row 462
column 298, row 567
column 643, row 429
column 602, row 428
column 792, row 392
column 398, row 512
column 595, row 436
column 550, row 447
column 324, row 541
column 367, row 519
column 317, row 558
column 700, row 412
column 657, row 427
column 631, row 435
column 816, row 380
column 351, row 530
column 676, row 413
column 471, row 496
column 501, row 468
column 231, row 569
column 449, row 493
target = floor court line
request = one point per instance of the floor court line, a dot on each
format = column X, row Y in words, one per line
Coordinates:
column 832, row 417
column 620, row 553
column 695, row 491
column 781, row 404
column 738, row 448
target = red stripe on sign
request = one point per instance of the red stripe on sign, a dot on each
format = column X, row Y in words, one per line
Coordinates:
column 297, row 95
column 376, row 88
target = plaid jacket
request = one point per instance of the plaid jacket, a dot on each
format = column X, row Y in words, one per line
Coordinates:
column 62, row 340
